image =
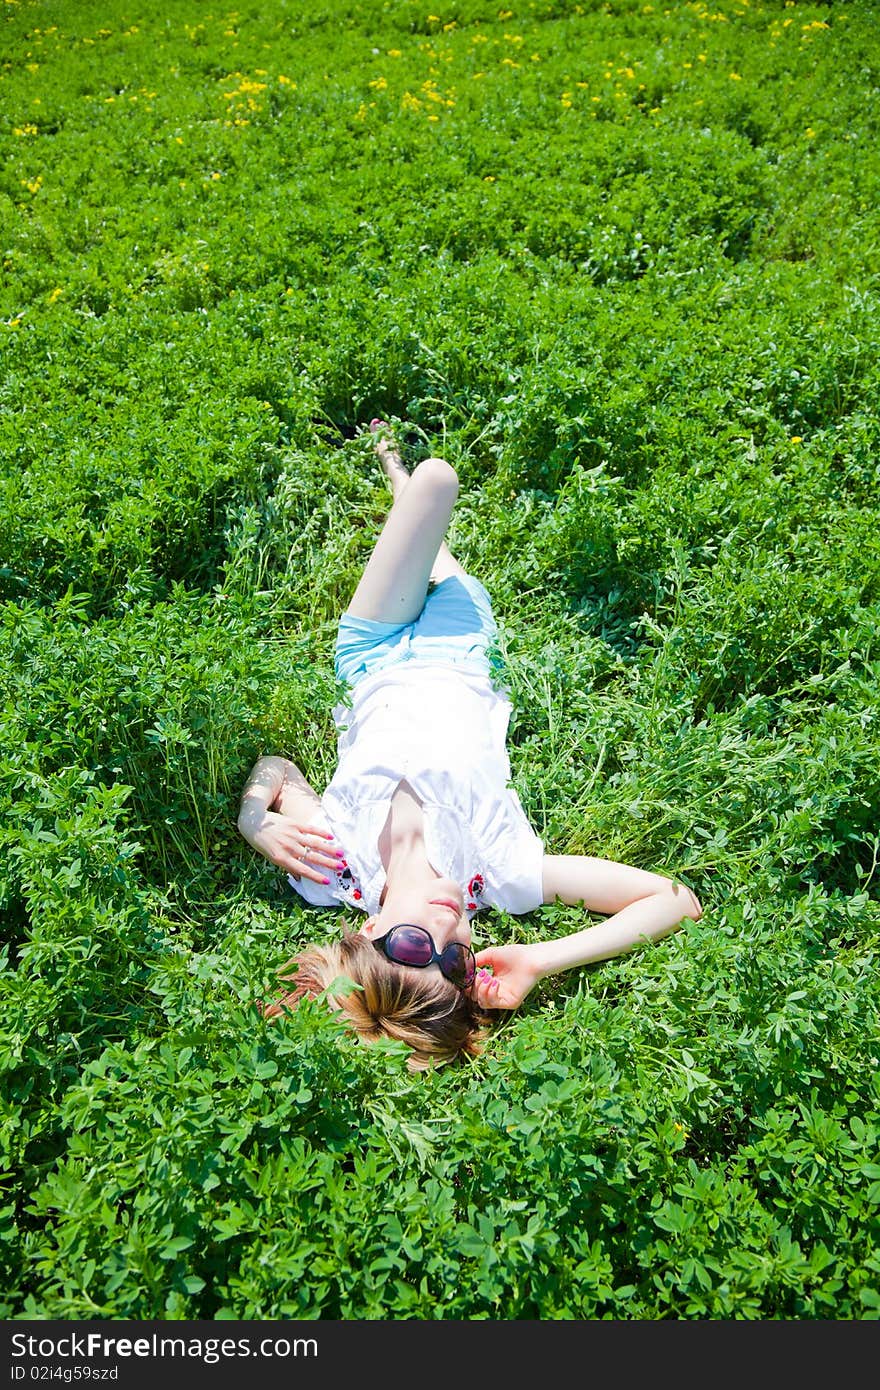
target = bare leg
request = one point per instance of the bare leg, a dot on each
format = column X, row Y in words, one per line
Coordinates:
column 445, row 564
column 406, row 555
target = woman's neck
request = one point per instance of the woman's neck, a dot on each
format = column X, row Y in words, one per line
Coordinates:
column 402, row 841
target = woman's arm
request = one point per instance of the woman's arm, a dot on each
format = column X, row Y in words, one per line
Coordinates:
column 277, row 815
column 644, row 907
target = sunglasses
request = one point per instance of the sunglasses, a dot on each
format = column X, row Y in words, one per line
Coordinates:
column 408, row 944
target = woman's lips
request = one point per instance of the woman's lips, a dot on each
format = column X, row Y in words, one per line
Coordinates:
column 447, row 902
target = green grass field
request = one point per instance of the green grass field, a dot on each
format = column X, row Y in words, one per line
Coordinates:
column 620, row 265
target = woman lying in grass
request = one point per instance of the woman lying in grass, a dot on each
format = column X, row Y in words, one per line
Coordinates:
column 418, row 826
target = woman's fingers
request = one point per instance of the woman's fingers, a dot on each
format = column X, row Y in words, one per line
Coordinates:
column 302, row 868
column 487, row 990
column 306, row 871
column 304, row 851
column 314, row 847
column 314, row 856
column 325, row 848
column 315, row 863
column 508, row 984
column 324, row 861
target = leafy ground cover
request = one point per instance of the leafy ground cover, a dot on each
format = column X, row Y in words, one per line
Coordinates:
column 619, row 263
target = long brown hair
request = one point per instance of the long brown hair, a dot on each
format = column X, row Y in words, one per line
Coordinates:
column 421, row 1008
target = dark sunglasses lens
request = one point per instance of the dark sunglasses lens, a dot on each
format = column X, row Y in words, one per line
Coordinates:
column 457, row 964
column 410, row 946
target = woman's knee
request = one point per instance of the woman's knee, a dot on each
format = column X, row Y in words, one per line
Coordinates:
column 438, row 474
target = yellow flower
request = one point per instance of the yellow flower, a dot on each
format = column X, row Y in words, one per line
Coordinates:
column 735, row 77
column 797, row 439
column 380, row 83
column 285, row 81
column 394, row 52
column 24, row 130
column 55, row 295
column 809, row 133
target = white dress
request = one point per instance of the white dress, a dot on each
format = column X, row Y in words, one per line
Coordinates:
column 443, row 729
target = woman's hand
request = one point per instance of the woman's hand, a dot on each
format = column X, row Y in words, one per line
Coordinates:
column 301, row 850
column 516, row 969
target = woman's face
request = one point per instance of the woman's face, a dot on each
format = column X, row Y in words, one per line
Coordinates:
column 435, row 904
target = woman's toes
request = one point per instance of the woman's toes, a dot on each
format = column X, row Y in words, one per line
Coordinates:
column 385, row 446
column 384, row 438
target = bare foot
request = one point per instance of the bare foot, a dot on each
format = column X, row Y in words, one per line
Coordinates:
column 389, row 455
